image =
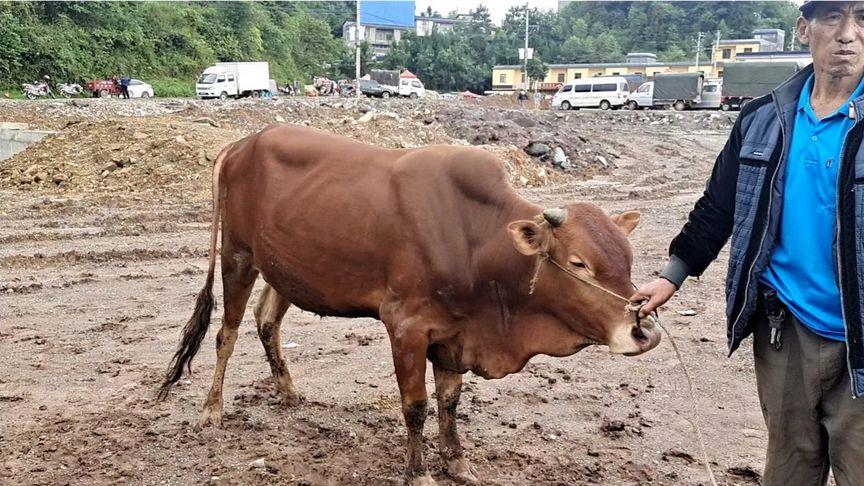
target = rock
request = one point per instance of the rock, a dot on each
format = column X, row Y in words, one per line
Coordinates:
column 537, row 149
column 111, row 167
column 139, row 135
column 32, row 169
column 428, row 120
column 40, row 177
column 367, row 117
column 364, row 108
column 687, row 312
column 524, row 122
column 181, row 139
column 25, row 179
column 59, row 177
column 257, row 464
column 560, row 158
column 213, row 123
column 279, row 119
column 602, row 161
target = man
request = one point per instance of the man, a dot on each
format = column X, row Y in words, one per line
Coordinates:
column 124, row 87
column 788, row 188
column 538, row 98
column 522, row 97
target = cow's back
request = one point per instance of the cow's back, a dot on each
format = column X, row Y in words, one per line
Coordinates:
column 334, row 224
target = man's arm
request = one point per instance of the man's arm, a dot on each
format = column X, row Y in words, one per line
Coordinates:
column 708, row 227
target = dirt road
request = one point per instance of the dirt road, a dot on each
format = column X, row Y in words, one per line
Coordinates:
column 99, row 272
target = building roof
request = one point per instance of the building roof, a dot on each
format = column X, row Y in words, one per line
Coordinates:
column 378, row 26
column 744, row 41
column 622, row 64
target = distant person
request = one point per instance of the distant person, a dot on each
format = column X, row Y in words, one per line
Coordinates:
column 46, row 80
column 522, row 97
column 124, row 87
column 538, row 98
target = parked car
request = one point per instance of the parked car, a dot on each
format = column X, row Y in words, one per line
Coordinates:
column 602, row 92
column 373, row 88
column 140, row 89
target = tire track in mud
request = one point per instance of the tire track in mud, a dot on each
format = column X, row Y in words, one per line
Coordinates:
column 70, row 258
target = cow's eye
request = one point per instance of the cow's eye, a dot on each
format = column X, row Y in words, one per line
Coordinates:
column 578, row 264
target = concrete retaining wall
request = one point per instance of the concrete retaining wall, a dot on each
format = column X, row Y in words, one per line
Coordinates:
column 15, row 137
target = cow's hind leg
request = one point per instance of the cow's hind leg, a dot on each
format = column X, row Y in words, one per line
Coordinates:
column 269, row 312
column 448, row 389
column 238, row 278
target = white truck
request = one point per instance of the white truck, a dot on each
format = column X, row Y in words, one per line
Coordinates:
column 234, row 79
column 396, row 85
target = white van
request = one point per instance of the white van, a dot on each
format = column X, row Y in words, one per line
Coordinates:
column 602, row 92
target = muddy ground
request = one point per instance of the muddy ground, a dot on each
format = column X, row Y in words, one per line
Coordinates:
column 99, row 270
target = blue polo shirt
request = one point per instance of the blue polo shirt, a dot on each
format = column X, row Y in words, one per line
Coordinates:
column 801, row 268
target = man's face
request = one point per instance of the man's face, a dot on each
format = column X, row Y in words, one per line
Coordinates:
column 836, row 37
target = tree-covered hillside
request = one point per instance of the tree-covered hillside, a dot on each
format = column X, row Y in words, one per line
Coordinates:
column 168, row 43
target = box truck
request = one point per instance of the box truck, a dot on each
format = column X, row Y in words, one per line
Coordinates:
column 234, row 80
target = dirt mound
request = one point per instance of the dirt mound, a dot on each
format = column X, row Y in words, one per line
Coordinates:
column 168, row 157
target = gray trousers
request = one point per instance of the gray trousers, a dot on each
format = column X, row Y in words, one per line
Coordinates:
column 813, row 422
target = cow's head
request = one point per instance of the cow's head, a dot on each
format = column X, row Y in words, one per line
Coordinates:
column 593, row 246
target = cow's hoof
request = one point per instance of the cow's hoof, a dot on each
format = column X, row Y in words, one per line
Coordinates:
column 425, row 480
column 210, row 416
column 292, row 399
column 462, row 471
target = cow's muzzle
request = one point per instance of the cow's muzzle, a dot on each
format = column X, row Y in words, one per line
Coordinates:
column 634, row 337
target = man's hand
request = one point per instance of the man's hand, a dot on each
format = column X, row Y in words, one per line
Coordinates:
column 656, row 293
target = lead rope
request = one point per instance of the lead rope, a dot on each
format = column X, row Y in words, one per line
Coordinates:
column 634, row 307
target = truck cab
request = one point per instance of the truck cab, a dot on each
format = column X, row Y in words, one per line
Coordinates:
column 216, row 82
column 642, row 97
column 411, row 87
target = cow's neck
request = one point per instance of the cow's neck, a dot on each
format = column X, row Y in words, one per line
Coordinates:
column 498, row 338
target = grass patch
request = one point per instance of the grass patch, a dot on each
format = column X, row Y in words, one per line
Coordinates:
column 173, row 88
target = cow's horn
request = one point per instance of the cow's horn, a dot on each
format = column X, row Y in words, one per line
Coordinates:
column 555, row 216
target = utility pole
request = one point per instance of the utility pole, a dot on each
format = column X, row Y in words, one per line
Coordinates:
column 525, row 75
column 714, row 52
column 698, row 49
column 357, row 53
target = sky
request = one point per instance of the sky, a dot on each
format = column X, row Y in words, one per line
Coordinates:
column 498, row 8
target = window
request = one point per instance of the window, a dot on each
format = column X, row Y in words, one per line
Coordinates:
column 220, row 79
column 581, row 88
column 624, row 87
column 727, row 53
column 748, row 49
column 134, row 82
column 560, row 77
column 567, row 89
column 383, row 35
column 403, row 82
column 604, row 87
column 616, row 74
column 711, row 88
column 416, row 84
column 502, row 78
column 231, row 77
column 643, row 89
column 577, row 76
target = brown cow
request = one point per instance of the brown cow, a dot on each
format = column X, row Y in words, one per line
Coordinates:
column 432, row 241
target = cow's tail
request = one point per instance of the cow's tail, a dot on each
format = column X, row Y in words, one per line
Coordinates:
column 196, row 327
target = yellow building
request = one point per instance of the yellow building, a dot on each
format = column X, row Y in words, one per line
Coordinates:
column 509, row 77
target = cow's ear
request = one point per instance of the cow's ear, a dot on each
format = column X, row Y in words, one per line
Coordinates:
column 529, row 237
column 627, row 221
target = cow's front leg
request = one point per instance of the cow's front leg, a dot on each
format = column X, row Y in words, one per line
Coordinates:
column 409, row 357
column 448, row 388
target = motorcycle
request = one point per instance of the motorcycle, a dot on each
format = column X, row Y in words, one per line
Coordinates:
column 68, row 90
column 36, row 90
